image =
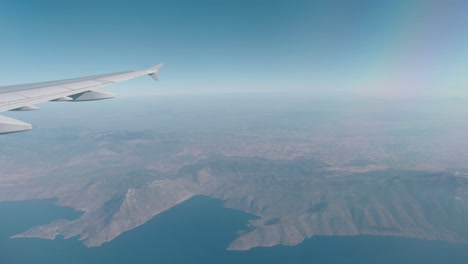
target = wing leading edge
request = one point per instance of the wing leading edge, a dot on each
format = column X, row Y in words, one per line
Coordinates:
column 24, row 97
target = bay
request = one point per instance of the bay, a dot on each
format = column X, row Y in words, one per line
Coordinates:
column 199, row 231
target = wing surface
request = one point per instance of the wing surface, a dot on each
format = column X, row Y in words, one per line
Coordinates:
column 23, row 97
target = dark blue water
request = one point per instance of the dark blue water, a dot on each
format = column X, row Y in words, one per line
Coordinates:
column 198, row 231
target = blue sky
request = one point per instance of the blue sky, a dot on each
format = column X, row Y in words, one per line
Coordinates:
column 331, row 48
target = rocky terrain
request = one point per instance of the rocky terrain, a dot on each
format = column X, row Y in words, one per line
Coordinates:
column 303, row 173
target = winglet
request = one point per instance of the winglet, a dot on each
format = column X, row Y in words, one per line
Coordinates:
column 154, row 71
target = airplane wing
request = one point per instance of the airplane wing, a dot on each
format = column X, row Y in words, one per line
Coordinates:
column 23, row 97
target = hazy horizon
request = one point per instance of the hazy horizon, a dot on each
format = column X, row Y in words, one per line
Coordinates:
column 379, row 49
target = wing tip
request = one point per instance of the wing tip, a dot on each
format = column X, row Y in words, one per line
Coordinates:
column 156, row 68
column 154, row 71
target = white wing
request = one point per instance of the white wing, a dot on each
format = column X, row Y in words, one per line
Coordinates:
column 23, row 97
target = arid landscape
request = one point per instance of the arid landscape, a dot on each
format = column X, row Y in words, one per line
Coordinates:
column 318, row 168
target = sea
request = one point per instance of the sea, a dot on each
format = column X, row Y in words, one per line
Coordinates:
column 199, row 231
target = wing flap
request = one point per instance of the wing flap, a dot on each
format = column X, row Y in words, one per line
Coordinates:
column 10, row 125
